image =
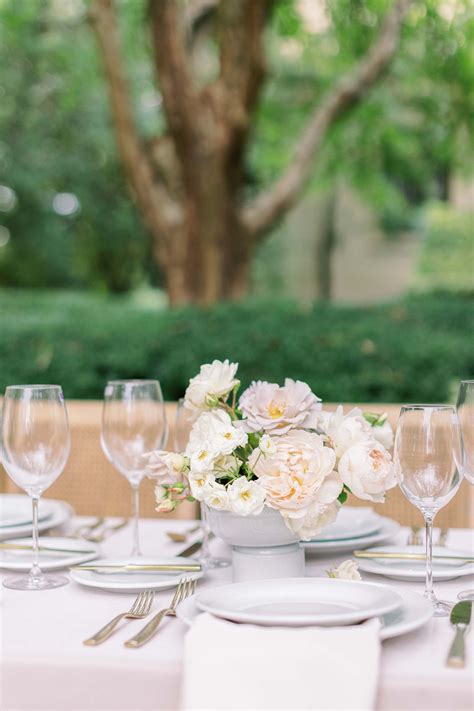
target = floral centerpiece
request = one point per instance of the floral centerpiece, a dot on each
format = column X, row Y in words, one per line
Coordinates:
column 275, row 448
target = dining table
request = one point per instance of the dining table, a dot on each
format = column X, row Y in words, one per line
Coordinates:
column 45, row 665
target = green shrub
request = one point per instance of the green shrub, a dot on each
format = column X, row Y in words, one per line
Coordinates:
column 412, row 350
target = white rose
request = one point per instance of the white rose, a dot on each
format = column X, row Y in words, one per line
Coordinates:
column 367, row 470
column 384, row 434
column 213, row 435
column 345, row 430
column 313, row 520
column 198, row 481
column 214, row 382
column 267, row 445
column 215, row 496
column 246, row 497
column 348, row 570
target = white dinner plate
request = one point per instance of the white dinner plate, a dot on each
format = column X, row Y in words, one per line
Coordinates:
column 351, row 522
column 416, row 569
column 23, row 560
column 294, row 602
column 16, row 510
column 134, row 581
column 415, row 612
column 387, row 529
column 58, row 513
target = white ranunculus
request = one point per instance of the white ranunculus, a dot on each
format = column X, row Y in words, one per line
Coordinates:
column 216, row 496
column 345, row 430
column 246, row 497
column 384, row 434
column 160, row 466
column 198, row 482
column 348, row 570
column 267, row 445
column 214, row 382
column 367, row 470
column 312, row 520
column 213, row 435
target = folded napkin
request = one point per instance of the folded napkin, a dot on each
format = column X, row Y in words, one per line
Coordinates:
column 237, row 666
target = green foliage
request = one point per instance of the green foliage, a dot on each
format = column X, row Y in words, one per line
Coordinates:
column 413, row 350
column 447, row 259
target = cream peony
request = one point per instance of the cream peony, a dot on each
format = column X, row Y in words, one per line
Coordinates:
column 214, row 382
column 383, row 434
column 367, row 470
column 316, row 517
column 348, row 570
column 345, row 430
column 277, row 410
column 293, row 475
column 246, row 497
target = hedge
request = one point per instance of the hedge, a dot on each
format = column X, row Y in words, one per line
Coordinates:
column 416, row 349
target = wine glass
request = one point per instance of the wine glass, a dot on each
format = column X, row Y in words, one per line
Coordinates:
column 133, row 424
column 35, row 445
column 428, row 464
column 185, row 419
column 465, row 408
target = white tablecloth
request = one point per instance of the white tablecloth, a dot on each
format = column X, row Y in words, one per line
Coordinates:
column 44, row 664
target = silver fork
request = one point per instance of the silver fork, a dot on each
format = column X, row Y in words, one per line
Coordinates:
column 185, row 589
column 140, row 609
column 107, row 531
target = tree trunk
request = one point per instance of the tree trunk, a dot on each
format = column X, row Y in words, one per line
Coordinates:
column 326, row 244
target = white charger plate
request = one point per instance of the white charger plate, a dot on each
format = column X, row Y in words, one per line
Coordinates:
column 351, row 522
column 59, row 513
column 134, row 581
column 387, row 529
column 16, row 510
column 296, row 602
column 409, row 570
column 23, row 560
column 415, row 612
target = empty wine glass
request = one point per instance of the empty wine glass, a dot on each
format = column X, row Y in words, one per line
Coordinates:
column 133, row 424
column 185, row 419
column 465, row 408
column 35, row 445
column 428, row 464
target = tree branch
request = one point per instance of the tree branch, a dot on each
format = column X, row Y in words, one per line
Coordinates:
column 156, row 205
column 270, row 205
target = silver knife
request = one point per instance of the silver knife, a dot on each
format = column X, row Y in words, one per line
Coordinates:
column 142, row 568
column 460, row 618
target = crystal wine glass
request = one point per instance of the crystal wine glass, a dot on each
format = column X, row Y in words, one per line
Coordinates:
column 465, row 408
column 133, row 424
column 428, row 463
column 185, row 419
column 35, row 445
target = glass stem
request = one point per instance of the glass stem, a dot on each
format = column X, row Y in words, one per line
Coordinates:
column 136, row 552
column 429, row 559
column 205, row 548
column 35, row 571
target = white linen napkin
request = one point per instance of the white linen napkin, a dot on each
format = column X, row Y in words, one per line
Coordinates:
column 237, row 666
